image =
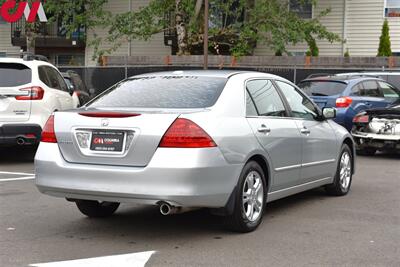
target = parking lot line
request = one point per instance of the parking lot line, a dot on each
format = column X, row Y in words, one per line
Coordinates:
column 126, row 260
column 18, row 173
column 17, row 179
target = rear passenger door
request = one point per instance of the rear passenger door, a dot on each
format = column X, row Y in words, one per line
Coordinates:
column 59, row 88
column 372, row 95
column 278, row 134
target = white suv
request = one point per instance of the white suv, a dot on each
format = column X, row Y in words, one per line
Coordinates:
column 30, row 91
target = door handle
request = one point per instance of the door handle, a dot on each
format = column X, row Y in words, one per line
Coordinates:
column 305, row 131
column 264, row 129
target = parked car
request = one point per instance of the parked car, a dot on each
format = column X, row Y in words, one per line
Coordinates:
column 30, row 91
column 377, row 129
column 77, row 86
column 389, row 76
column 226, row 140
column 350, row 95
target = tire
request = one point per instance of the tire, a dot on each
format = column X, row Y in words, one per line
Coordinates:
column 246, row 218
column 96, row 209
column 344, row 174
column 367, row 151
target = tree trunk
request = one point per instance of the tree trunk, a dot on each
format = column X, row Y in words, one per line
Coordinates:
column 30, row 40
column 180, row 29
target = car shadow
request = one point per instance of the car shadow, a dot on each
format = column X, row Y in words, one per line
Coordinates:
column 17, row 154
column 383, row 155
column 142, row 223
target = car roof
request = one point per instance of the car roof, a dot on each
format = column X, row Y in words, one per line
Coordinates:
column 373, row 73
column 207, row 73
column 342, row 79
column 29, row 63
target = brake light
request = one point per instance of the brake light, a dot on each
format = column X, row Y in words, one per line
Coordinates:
column 34, row 93
column 343, row 102
column 184, row 133
column 48, row 134
column 108, row 114
column 361, row 119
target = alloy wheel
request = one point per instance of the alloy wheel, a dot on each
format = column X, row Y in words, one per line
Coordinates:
column 253, row 196
column 345, row 171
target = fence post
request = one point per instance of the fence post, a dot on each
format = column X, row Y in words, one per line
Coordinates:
column 126, row 67
column 295, row 75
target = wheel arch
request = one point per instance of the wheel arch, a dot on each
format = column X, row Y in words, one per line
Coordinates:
column 230, row 205
column 263, row 162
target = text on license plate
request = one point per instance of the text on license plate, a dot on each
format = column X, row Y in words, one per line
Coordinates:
column 107, row 141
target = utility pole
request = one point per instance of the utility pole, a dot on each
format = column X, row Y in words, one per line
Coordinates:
column 205, row 34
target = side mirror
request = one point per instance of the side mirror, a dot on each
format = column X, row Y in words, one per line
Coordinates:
column 329, row 113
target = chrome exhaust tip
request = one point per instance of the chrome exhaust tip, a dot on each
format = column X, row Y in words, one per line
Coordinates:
column 165, row 209
column 20, row 141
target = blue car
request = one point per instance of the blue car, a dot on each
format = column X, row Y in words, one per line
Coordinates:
column 350, row 95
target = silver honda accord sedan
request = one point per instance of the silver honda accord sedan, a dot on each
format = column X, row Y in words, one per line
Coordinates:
column 230, row 141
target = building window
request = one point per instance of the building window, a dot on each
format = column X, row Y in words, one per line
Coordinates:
column 392, row 8
column 70, row 60
column 303, row 10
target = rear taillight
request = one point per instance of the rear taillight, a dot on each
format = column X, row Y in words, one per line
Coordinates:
column 184, row 133
column 48, row 134
column 108, row 114
column 33, row 93
column 361, row 119
column 343, row 102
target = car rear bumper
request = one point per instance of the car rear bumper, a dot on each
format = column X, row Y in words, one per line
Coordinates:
column 181, row 177
column 377, row 141
column 344, row 117
column 22, row 134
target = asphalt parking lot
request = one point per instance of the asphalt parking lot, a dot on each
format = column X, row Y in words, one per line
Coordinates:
column 308, row 229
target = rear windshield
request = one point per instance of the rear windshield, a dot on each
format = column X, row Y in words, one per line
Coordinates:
column 172, row 92
column 322, row 88
column 13, row 74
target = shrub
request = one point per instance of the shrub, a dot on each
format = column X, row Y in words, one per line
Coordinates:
column 384, row 49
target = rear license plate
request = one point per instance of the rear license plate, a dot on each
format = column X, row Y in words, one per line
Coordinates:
column 107, row 141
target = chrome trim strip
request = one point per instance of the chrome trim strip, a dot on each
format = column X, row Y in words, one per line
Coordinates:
column 304, row 165
column 288, row 168
column 317, row 163
column 300, row 185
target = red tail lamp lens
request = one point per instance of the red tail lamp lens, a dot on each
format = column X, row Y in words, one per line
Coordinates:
column 361, row 119
column 184, row 133
column 343, row 102
column 48, row 134
column 33, row 93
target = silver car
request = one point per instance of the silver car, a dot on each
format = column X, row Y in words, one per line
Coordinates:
column 226, row 140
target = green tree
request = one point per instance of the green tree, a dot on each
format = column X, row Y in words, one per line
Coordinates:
column 235, row 26
column 384, row 49
column 71, row 14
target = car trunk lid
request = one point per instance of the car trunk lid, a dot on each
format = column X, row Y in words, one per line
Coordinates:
column 111, row 138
